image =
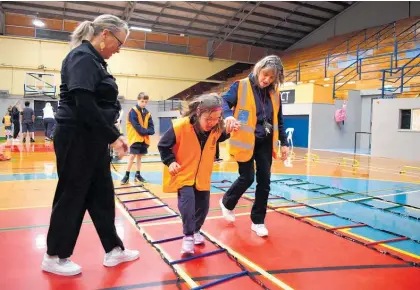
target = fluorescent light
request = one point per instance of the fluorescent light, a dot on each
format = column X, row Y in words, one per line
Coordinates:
column 140, row 29
column 326, row 85
column 38, row 23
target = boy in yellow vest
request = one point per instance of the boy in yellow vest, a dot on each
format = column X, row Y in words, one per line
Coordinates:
column 7, row 121
column 139, row 127
column 188, row 150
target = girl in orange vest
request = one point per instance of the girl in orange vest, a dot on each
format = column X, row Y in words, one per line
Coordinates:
column 188, row 150
column 258, row 108
column 7, row 121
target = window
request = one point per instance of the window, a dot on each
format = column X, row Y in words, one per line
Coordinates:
column 410, row 119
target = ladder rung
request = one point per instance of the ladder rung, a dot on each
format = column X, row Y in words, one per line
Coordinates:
column 197, row 256
column 156, row 218
column 148, row 207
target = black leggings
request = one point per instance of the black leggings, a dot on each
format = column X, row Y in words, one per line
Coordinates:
column 16, row 129
column 84, row 183
column 263, row 159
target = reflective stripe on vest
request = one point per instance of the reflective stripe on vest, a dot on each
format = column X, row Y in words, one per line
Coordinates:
column 132, row 135
column 196, row 166
column 242, row 142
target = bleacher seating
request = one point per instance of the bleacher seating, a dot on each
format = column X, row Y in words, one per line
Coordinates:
column 336, row 59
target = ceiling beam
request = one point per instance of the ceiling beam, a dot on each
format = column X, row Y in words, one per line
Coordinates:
column 196, row 15
column 340, row 3
column 167, row 4
column 133, row 19
column 177, row 17
column 313, row 7
column 263, row 15
column 177, row 8
column 211, row 53
column 128, row 10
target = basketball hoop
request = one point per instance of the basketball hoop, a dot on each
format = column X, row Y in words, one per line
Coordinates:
column 40, row 87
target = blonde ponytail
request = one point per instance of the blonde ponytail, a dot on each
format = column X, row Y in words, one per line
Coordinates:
column 84, row 31
column 89, row 29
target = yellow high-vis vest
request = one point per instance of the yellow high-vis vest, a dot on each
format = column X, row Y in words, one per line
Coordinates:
column 132, row 135
column 242, row 142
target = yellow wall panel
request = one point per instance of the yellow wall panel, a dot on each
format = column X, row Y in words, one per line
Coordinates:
column 6, row 79
column 160, row 74
column 19, row 52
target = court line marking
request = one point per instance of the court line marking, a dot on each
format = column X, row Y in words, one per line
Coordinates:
column 238, row 256
column 183, row 274
column 348, row 231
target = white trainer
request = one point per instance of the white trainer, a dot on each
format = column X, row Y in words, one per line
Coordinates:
column 260, row 229
column 198, row 238
column 187, row 245
column 62, row 267
column 227, row 214
column 118, row 256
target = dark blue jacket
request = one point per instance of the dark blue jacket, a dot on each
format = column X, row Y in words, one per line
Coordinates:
column 262, row 100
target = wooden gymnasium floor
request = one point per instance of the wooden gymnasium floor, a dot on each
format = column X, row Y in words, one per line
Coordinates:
column 334, row 223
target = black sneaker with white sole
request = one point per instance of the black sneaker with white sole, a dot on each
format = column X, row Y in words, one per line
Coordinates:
column 125, row 179
column 139, row 178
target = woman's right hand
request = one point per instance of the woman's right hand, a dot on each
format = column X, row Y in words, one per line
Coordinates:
column 174, row 168
column 120, row 146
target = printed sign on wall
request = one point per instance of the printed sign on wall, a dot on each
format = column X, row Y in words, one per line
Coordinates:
column 287, row 96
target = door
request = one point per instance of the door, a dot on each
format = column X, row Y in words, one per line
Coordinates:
column 300, row 124
column 39, row 114
column 165, row 124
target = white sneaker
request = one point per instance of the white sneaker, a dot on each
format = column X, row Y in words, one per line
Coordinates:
column 198, row 239
column 187, row 245
column 118, row 256
column 260, row 229
column 63, row 267
column 227, row 214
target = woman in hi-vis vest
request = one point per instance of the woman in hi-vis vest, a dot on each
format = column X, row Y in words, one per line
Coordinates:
column 258, row 109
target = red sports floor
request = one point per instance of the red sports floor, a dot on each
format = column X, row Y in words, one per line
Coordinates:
column 295, row 255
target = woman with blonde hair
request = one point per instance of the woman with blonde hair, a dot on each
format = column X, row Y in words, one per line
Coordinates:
column 85, row 130
column 257, row 107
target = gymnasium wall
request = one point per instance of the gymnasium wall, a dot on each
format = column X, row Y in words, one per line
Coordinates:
column 363, row 14
column 160, row 74
column 387, row 139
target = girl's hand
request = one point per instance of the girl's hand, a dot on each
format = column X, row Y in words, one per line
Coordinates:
column 231, row 124
column 174, row 168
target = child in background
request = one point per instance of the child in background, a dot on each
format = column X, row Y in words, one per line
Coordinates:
column 7, row 121
column 28, row 119
column 188, row 150
column 139, row 128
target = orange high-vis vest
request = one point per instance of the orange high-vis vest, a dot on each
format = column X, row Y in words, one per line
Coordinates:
column 132, row 135
column 196, row 165
column 7, row 121
column 242, row 142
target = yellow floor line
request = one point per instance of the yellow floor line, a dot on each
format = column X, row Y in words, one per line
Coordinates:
column 240, row 257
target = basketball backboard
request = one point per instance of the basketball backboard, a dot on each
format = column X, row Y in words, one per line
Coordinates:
column 39, row 84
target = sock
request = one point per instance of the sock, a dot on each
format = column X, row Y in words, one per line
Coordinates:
column 137, row 173
column 127, row 173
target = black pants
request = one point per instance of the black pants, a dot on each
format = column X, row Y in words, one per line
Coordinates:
column 16, row 129
column 49, row 124
column 217, row 151
column 194, row 207
column 263, row 159
column 84, row 183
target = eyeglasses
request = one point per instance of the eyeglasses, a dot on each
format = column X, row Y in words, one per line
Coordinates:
column 212, row 120
column 120, row 42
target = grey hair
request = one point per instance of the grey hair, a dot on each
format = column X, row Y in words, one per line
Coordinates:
column 87, row 30
column 274, row 63
column 202, row 104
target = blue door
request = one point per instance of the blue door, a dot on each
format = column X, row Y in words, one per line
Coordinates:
column 300, row 123
column 164, row 124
